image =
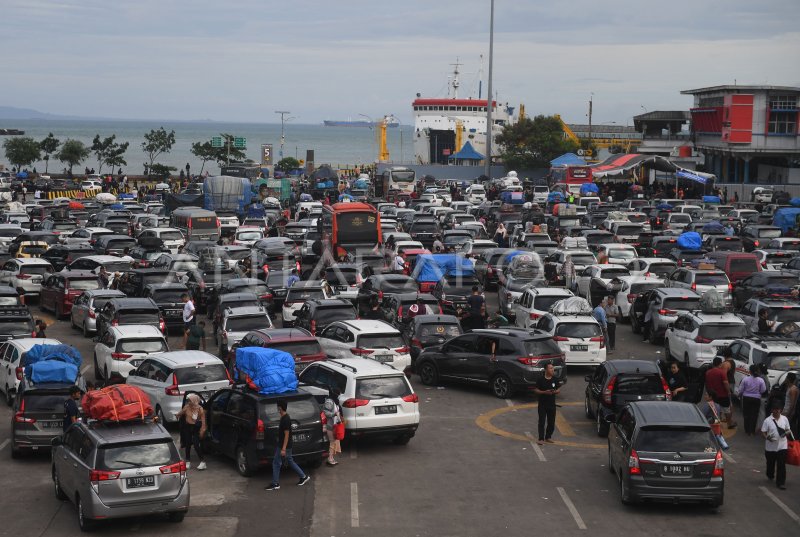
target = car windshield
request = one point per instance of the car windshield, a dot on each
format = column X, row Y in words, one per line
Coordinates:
column 36, row 269
column 439, row 330
column 711, row 279
column 84, row 284
column 673, row 439
column 661, row 269
column 201, row 374
column 142, row 345
column 380, row 341
column 633, row 384
column 303, row 294
column 161, row 296
column 245, row 324
column 682, row 304
column 298, row 348
column 382, row 388
column 722, row 331
column 139, row 317
column 137, row 454
column 171, row 236
column 578, row 330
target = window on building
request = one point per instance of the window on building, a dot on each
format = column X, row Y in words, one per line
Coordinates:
column 783, row 102
column 782, row 123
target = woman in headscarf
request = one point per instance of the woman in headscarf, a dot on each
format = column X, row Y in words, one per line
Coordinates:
column 192, row 418
column 333, row 414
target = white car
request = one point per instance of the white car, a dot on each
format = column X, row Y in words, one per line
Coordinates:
column 619, row 254
column 476, row 247
column 93, row 263
column 633, row 286
column 540, row 194
column 228, row 224
column 659, row 267
column 535, row 302
column 25, row 275
column 91, row 184
column 580, row 338
column 595, row 278
column 247, row 236
column 374, row 340
column 11, row 352
column 762, row 195
column 779, row 356
column 677, row 221
column 237, row 322
column 695, row 338
column 172, row 237
column 375, row 399
column 84, row 235
column 477, row 194
column 122, row 348
column 300, row 293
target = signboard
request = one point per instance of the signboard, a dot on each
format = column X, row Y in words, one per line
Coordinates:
column 584, row 152
column 445, row 152
column 266, row 154
column 216, row 141
column 240, row 143
column 309, row 161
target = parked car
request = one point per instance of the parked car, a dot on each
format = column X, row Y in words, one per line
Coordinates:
column 653, row 311
column 60, row 290
column 235, row 323
column 122, row 311
column 300, row 293
column 696, row 337
column 316, row 314
column 61, row 255
column 168, row 298
column 296, row 341
column 25, row 275
column 123, row 348
column 11, row 353
column 85, row 308
column 370, row 339
column 38, row 412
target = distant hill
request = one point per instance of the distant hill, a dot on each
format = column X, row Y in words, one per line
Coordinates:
column 10, row 112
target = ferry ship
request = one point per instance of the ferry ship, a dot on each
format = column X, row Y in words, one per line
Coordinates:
column 442, row 127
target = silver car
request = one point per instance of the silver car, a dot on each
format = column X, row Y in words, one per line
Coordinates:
column 25, row 275
column 165, row 377
column 127, row 470
column 85, row 308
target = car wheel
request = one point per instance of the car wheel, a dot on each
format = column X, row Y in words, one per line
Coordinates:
column 84, row 523
column 57, row 487
column 176, row 517
column 667, row 355
column 587, row 408
column 602, row 425
column 243, row 463
column 623, row 494
column 86, row 332
column 501, row 386
column 160, row 415
column 96, row 368
column 610, row 465
column 635, row 328
column 428, row 374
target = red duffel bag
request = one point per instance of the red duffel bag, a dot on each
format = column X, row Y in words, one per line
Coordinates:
column 120, row 402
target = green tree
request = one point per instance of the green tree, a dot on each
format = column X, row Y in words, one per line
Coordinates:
column 533, row 143
column 49, row 146
column 204, row 152
column 157, row 142
column 287, row 163
column 109, row 152
column 227, row 151
column 22, row 151
column 161, row 171
column 72, row 153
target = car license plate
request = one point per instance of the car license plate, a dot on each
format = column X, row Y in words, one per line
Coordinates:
column 676, row 469
column 50, row 424
column 342, row 287
column 300, row 437
column 579, row 347
column 140, row 482
column 135, row 363
column 389, row 409
column 173, row 313
column 384, row 358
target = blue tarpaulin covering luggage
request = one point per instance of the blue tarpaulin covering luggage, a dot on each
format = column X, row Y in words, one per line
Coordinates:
column 664, row 206
column 690, row 240
column 512, row 197
column 52, row 363
column 124, row 196
column 52, row 371
column 269, row 370
column 711, row 199
column 794, row 202
column 589, row 188
column 714, row 226
column 256, row 210
column 786, row 218
column 555, row 197
column 361, row 184
column 431, row 267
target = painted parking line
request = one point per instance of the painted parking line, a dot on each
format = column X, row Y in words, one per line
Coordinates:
column 563, row 426
column 728, row 458
column 354, row 452
column 509, row 402
column 785, row 508
column 354, row 521
column 572, row 509
column 536, row 448
column 4, row 444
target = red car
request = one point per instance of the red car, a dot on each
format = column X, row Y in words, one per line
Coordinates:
column 60, row 290
column 296, row 341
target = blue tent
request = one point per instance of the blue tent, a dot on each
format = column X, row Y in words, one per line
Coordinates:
column 568, row 159
column 467, row 153
column 432, row 267
column 786, row 218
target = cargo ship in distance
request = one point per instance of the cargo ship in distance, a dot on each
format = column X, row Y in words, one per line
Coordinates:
column 11, row 132
column 356, row 123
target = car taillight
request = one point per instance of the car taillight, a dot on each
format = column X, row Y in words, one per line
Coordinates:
column 120, row 355
column 260, row 429
column 297, row 264
column 115, row 322
column 313, row 328
column 730, row 287
column 755, row 243
column 416, row 343
column 601, row 339
column 694, row 287
column 701, row 339
column 666, row 312
column 633, row 463
column 19, row 370
column 266, row 296
column 401, row 350
column 380, row 295
column 665, row 386
column 413, row 398
column 360, row 352
column 162, row 326
column 177, row 468
column 354, row 403
column 608, row 391
column 23, row 276
column 534, row 316
column 560, row 338
column 324, row 421
column 92, row 314
column 631, row 298
column 19, row 417
column 103, row 475
column 719, row 465
column 173, row 390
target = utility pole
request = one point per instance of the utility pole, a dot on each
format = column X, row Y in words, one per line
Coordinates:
column 488, row 166
column 283, row 114
column 590, row 120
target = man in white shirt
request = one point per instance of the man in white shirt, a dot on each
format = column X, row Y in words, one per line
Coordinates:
column 399, row 264
column 775, row 430
column 188, row 316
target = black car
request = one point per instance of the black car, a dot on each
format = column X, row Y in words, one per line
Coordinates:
column 615, row 383
column 202, row 283
column 61, row 255
column 16, row 323
column 167, row 297
column 395, row 307
column 723, row 243
column 488, row 265
column 113, row 244
column 243, row 425
column 38, row 416
column 452, row 292
column 755, row 236
column 317, row 314
column 241, row 285
column 426, row 330
column 768, row 283
column 276, row 283
column 684, row 256
column 505, row 360
column 376, row 286
column 425, row 231
column 121, row 311
column 665, row 451
column 133, row 282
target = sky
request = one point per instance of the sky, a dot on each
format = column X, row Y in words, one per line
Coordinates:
column 240, row 60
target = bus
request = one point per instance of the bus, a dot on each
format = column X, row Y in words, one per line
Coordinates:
column 196, row 224
column 349, row 227
column 571, row 176
column 400, row 179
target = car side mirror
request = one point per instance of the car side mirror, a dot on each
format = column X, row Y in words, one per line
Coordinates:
column 671, row 326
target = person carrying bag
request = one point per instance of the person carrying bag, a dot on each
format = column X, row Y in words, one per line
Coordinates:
column 334, row 425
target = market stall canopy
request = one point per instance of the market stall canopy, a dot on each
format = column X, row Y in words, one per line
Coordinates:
column 568, row 159
column 621, row 164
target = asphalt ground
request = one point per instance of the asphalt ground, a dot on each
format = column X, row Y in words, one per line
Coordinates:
column 472, row 469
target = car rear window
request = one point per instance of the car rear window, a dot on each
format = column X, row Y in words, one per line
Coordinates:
column 723, row 331
column 250, row 322
column 218, row 277
column 711, row 279
column 681, row 218
column 201, row 374
column 639, row 288
column 672, row 439
column 298, row 348
column 382, row 387
column 580, row 330
column 304, row 294
column 341, row 276
column 783, row 315
column 168, row 295
column 298, row 409
column 614, row 272
column 118, row 266
column 583, row 259
column 84, row 284
column 633, row 384
column 629, row 230
column 35, row 269
column 620, row 253
column 541, row 347
column 147, row 316
column 137, row 454
column 380, row 341
column 769, row 233
column 425, row 226
column 661, row 269
column 336, row 313
column 683, row 304
column 45, row 402
column 743, row 265
column 544, row 302
column 439, row 330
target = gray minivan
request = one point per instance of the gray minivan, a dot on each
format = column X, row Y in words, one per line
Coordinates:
column 196, row 224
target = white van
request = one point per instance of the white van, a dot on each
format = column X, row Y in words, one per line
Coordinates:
column 476, row 194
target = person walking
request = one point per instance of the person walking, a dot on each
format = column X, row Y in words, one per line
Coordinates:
column 790, row 400
column 196, row 337
column 477, row 309
column 71, row 407
column 292, row 279
column 283, row 449
column 613, row 313
column 599, row 314
column 40, row 329
column 750, row 391
column 775, row 430
column 399, row 264
column 333, row 416
column 192, row 419
column 719, row 388
column 676, row 380
column 568, row 272
column 547, row 388
column 188, row 316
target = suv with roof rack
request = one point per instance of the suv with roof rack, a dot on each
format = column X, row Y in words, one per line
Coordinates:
column 696, row 337
column 116, row 470
column 376, row 400
column 777, row 354
column 765, row 284
column 781, row 310
column 296, row 341
column 653, row 311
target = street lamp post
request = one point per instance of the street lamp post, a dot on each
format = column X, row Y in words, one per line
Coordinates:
column 488, row 165
column 283, row 114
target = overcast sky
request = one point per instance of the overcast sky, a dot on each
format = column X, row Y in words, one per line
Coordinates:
column 233, row 60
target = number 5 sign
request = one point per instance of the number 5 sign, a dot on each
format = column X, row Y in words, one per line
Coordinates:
column 266, row 154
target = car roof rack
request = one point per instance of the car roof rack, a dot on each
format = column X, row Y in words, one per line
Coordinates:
column 346, row 366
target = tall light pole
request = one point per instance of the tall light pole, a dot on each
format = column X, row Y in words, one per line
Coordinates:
column 488, row 166
column 283, row 114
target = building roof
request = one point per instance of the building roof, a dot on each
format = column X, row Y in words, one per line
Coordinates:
column 664, row 115
column 737, row 89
